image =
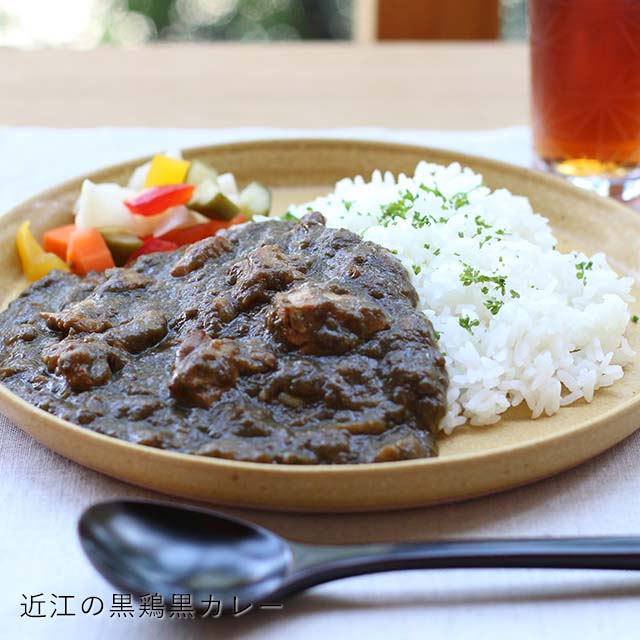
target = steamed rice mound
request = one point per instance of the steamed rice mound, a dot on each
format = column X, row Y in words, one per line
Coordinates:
column 517, row 320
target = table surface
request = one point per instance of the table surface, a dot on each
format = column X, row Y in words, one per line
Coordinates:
column 403, row 86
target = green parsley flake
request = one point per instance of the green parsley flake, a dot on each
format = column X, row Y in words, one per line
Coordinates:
column 480, row 222
column 459, row 200
column 493, row 304
column 634, row 319
column 435, row 191
column 417, row 269
column 473, row 276
column 581, row 267
column 421, row 221
column 398, row 208
column 467, row 323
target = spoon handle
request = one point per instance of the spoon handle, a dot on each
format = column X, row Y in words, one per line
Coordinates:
column 320, row 563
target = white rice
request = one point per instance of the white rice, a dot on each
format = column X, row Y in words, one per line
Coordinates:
column 547, row 328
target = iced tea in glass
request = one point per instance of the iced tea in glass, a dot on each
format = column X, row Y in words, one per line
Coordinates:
column 585, row 65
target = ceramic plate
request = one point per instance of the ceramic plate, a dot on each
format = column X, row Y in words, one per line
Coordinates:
column 472, row 462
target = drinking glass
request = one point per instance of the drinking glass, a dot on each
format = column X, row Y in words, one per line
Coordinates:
column 585, row 72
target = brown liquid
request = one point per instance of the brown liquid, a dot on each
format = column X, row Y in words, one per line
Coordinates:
column 585, row 64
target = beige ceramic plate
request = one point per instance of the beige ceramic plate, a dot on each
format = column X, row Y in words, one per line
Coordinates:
column 472, row 462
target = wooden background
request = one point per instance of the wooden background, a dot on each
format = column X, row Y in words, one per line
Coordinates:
column 433, row 85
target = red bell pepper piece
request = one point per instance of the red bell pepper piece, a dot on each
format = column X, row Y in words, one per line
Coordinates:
column 152, row 245
column 189, row 235
column 154, row 200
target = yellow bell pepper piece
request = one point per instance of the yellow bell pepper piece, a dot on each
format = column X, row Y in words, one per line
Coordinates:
column 164, row 171
column 36, row 262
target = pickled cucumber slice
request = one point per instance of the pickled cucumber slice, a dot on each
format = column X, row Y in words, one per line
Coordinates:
column 210, row 201
column 255, row 200
column 199, row 172
column 121, row 245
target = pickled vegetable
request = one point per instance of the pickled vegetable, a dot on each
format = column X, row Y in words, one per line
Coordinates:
column 178, row 218
column 227, row 184
column 56, row 240
column 208, row 200
column 121, row 245
column 87, row 251
column 199, row 172
column 36, row 262
column 164, row 171
column 152, row 245
column 180, row 237
column 155, row 200
column 102, row 205
column 255, row 200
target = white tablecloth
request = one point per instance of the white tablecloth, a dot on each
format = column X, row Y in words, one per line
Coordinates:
column 42, row 494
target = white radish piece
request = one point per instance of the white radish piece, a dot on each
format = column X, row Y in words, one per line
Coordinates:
column 178, row 218
column 139, row 176
column 102, row 206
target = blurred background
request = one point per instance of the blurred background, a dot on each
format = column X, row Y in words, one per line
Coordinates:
column 86, row 24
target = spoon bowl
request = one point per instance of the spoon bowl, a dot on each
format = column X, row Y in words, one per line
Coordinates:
column 146, row 547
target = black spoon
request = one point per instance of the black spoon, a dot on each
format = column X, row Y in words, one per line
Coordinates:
column 146, row 548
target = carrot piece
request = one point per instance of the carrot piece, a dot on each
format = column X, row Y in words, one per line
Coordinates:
column 56, row 240
column 87, row 251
